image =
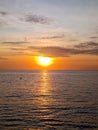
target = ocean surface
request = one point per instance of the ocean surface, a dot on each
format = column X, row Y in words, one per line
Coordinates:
column 48, row 100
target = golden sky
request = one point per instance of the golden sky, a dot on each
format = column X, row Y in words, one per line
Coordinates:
column 66, row 31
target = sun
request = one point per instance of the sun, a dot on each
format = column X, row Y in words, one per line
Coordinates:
column 44, row 61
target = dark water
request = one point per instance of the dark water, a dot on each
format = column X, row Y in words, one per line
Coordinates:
column 53, row 100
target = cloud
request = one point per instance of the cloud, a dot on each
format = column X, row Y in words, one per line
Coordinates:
column 94, row 37
column 53, row 37
column 89, row 48
column 56, row 51
column 36, row 19
column 3, row 13
column 49, row 51
column 86, row 45
column 3, row 58
column 2, row 23
column 14, row 42
column 18, row 49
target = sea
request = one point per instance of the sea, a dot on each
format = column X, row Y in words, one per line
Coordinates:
column 49, row 100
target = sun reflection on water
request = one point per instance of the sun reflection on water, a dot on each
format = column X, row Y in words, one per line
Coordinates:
column 45, row 90
column 43, row 100
column 44, row 84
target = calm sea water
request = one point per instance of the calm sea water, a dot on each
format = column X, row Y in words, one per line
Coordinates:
column 49, row 100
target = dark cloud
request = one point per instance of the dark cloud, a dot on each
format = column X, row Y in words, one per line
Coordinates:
column 57, row 51
column 3, row 58
column 14, row 42
column 53, row 37
column 37, row 19
column 49, row 51
column 2, row 22
column 18, row 49
column 89, row 48
column 93, row 37
column 86, row 45
column 3, row 13
column 73, row 40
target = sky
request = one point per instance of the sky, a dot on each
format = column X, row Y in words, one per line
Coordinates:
column 66, row 30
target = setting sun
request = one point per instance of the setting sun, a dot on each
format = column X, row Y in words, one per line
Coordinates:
column 44, row 61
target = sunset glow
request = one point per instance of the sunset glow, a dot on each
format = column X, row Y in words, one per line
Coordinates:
column 33, row 32
column 44, row 61
column 48, row 64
